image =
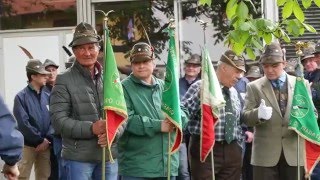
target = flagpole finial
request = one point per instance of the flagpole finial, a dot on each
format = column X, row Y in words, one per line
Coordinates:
column 203, row 24
column 106, row 18
column 298, row 46
column 171, row 24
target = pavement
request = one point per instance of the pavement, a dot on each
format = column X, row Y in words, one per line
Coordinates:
column 2, row 177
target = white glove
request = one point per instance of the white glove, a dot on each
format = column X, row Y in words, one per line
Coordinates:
column 264, row 112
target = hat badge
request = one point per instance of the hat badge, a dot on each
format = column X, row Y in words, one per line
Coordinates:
column 139, row 49
column 37, row 66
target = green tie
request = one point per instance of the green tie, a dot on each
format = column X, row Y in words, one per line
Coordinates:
column 229, row 117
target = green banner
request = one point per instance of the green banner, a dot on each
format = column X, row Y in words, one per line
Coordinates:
column 302, row 117
column 170, row 97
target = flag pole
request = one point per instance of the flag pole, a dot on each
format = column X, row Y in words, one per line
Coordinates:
column 299, row 52
column 169, row 156
column 171, row 27
column 105, row 28
column 204, row 26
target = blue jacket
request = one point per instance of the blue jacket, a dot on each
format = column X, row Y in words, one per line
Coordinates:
column 11, row 140
column 184, row 86
column 32, row 113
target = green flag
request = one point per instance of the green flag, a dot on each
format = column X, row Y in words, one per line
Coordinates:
column 170, row 97
column 114, row 102
column 303, row 120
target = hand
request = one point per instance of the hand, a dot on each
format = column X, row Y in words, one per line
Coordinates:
column 264, row 112
column 249, row 136
column 11, row 172
column 43, row 146
column 99, row 127
column 102, row 140
column 167, row 126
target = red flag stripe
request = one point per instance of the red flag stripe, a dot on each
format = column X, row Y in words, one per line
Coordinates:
column 207, row 138
column 312, row 156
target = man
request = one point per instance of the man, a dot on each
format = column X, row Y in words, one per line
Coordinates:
column 31, row 111
column 51, row 67
column 76, row 108
column 55, row 153
column 143, row 147
column 11, row 141
column 228, row 138
column 267, row 107
column 253, row 74
column 192, row 68
column 312, row 74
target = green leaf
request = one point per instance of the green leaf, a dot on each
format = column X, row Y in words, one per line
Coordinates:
column 317, row 2
column 238, row 48
column 244, row 35
column 286, row 38
column 301, row 31
column 231, row 9
column 298, row 12
column 256, row 43
column 306, row 3
column 204, row 2
column 242, row 10
column 281, row 2
column 287, row 10
column 252, row 26
column 235, row 35
column 260, row 24
column 269, row 25
column 250, row 53
column 245, row 26
column 267, row 37
column 277, row 33
column 309, row 28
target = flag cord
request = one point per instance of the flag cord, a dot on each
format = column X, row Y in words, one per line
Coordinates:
column 169, row 156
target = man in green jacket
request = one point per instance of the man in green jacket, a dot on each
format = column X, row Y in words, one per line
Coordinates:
column 143, row 147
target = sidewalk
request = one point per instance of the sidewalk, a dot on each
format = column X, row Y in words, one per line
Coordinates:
column 2, row 177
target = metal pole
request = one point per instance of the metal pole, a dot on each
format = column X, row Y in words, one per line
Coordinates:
column 204, row 26
column 105, row 34
column 169, row 157
column 299, row 52
column 298, row 160
column 212, row 165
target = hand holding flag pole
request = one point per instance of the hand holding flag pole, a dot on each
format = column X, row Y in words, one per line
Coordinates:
column 115, row 110
column 170, row 97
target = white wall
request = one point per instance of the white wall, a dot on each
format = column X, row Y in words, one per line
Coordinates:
column 42, row 45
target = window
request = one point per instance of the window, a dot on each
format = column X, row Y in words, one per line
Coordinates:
column 27, row 14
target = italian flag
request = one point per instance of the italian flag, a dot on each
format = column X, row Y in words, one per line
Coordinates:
column 211, row 102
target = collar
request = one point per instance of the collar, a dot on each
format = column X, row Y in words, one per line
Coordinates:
column 32, row 88
column 283, row 76
column 139, row 81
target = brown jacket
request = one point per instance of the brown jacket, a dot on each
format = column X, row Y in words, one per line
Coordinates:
column 271, row 136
